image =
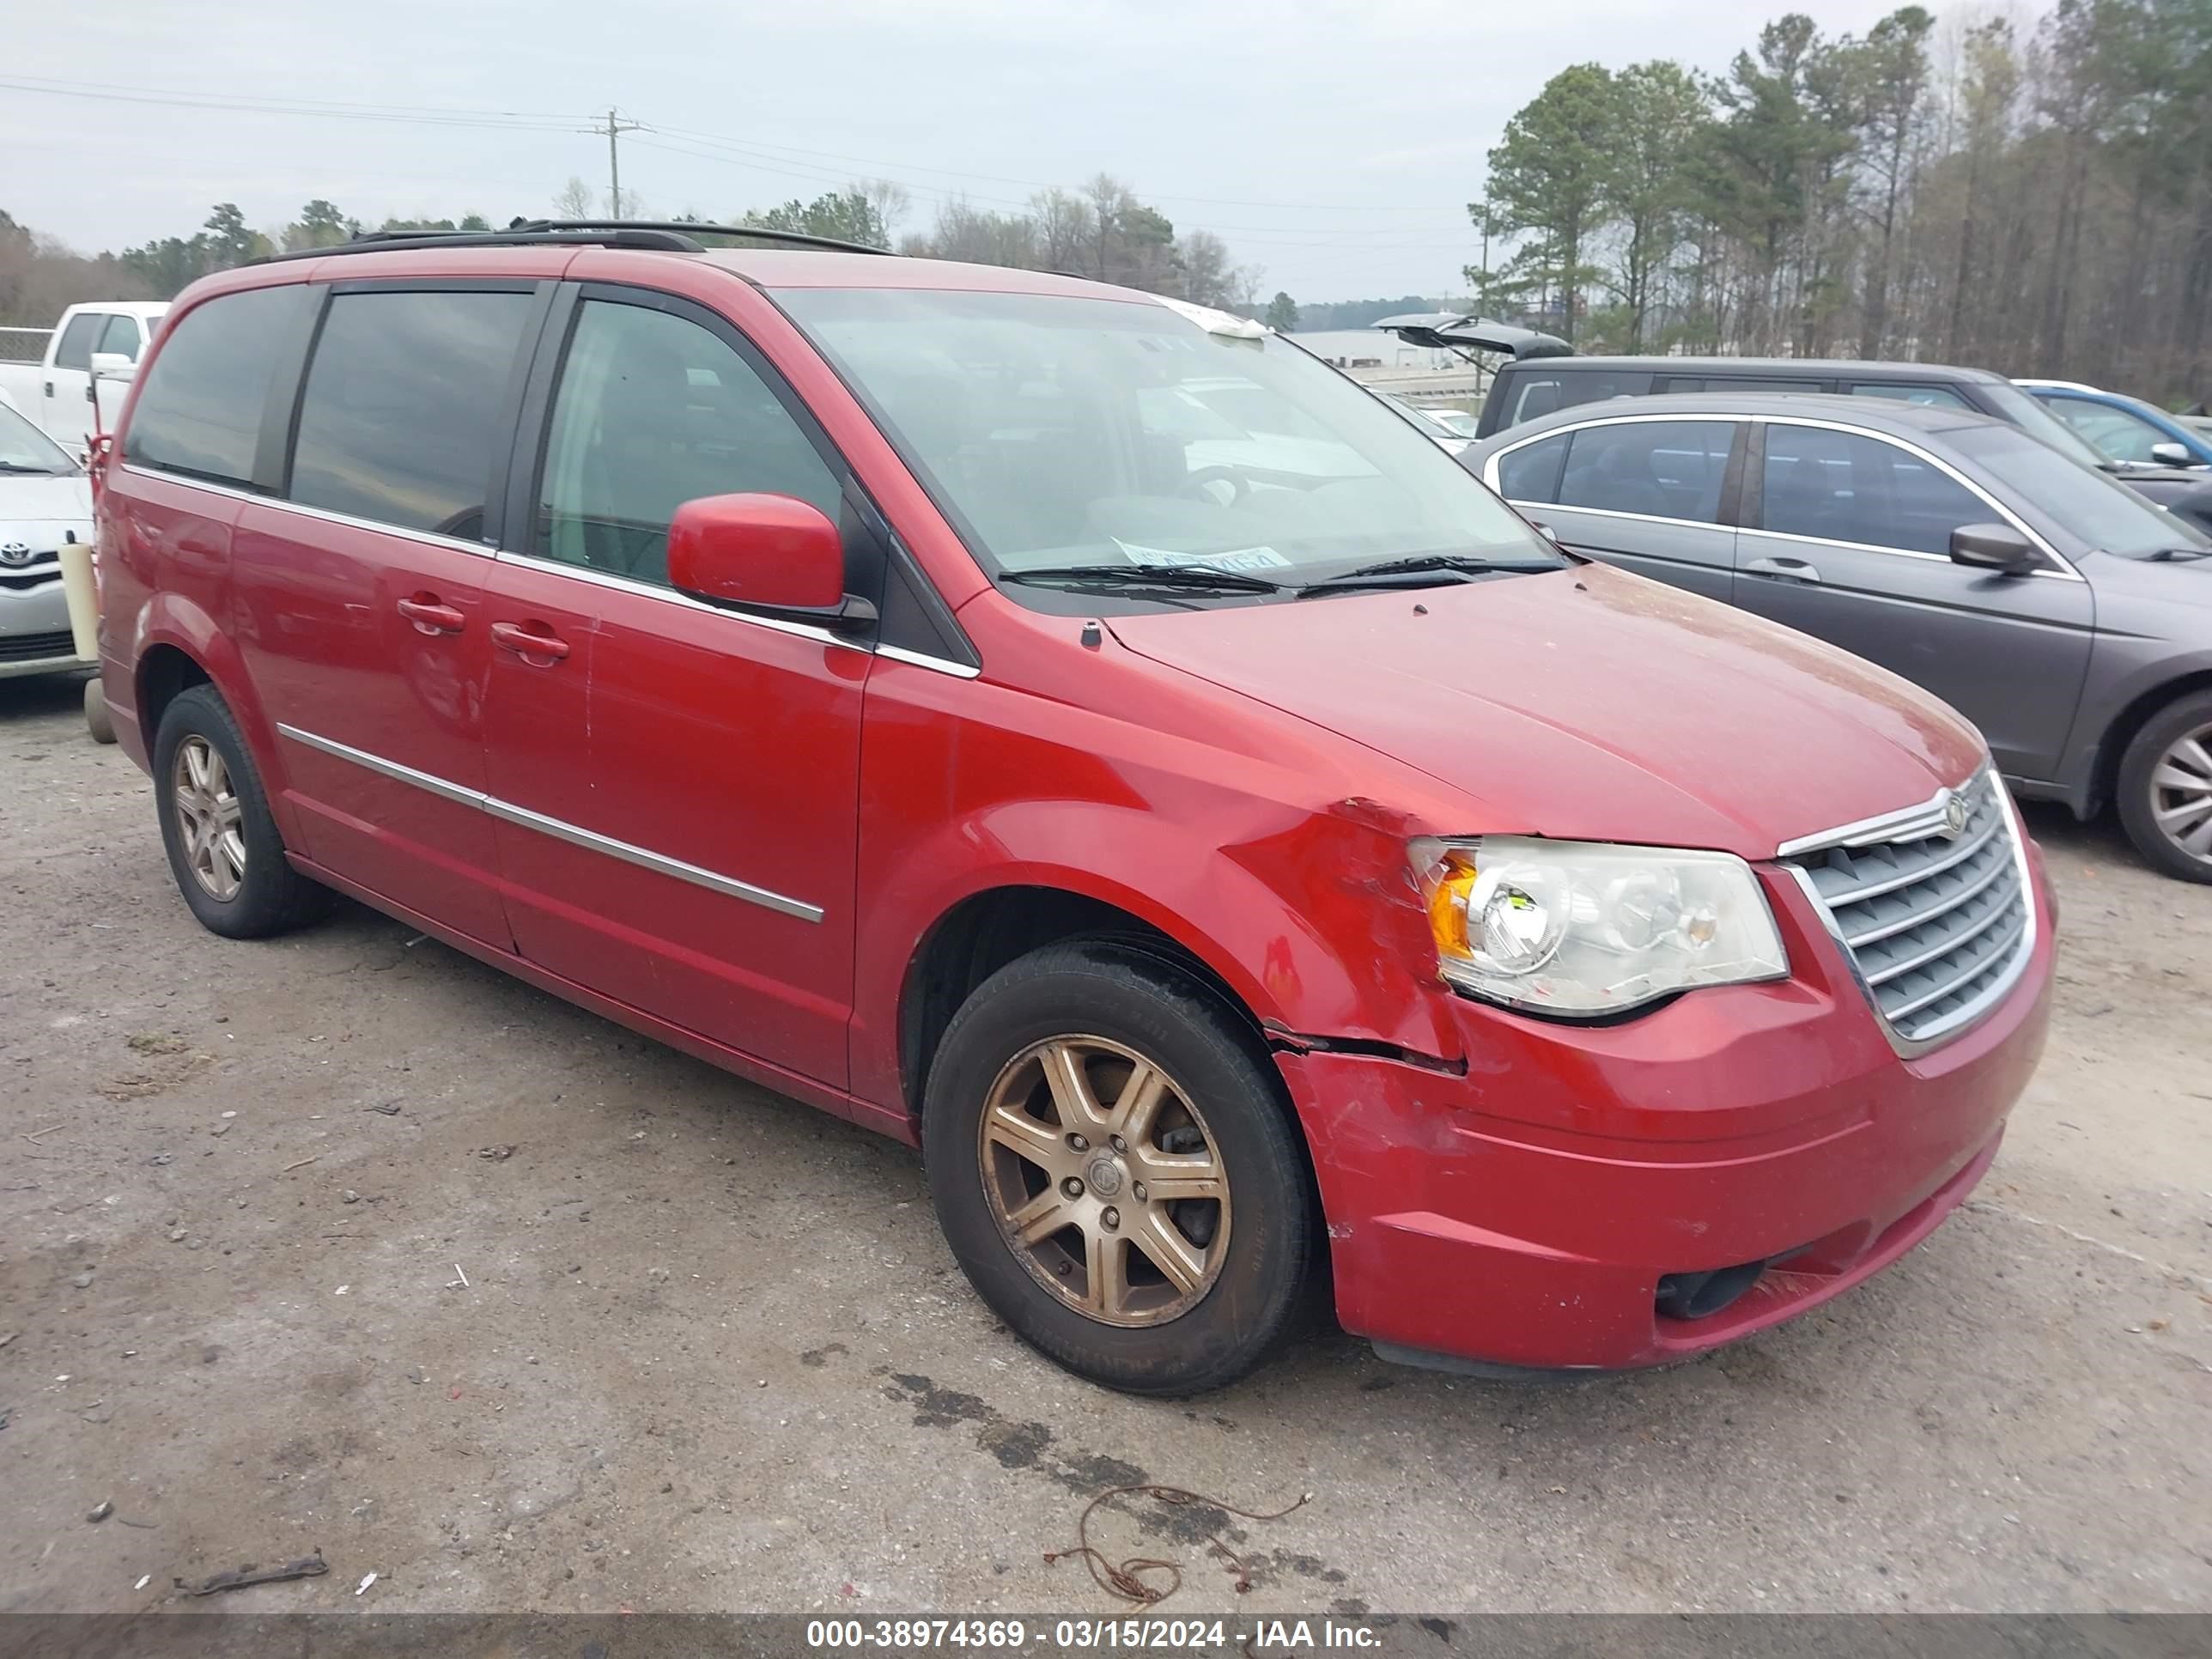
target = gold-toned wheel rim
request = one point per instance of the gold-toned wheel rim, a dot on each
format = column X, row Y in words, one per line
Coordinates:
column 1105, row 1181
column 210, row 822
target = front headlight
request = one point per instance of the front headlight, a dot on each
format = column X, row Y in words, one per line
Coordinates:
column 1586, row 928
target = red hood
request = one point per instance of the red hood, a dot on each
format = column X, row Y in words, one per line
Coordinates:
column 1591, row 704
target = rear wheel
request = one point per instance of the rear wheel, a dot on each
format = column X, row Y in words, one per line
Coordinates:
column 96, row 720
column 2166, row 788
column 224, row 847
column 1114, row 1164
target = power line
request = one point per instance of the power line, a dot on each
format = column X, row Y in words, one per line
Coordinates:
column 503, row 120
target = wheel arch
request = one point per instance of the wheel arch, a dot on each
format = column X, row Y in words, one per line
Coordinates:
column 994, row 926
column 2120, row 731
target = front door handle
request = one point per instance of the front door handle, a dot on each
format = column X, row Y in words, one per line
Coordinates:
column 526, row 643
column 429, row 616
column 1796, row 570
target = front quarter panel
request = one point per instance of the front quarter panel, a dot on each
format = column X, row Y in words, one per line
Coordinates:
column 1261, row 846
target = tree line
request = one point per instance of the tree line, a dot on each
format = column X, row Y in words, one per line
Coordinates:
column 1103, row 231
column 2032, row 198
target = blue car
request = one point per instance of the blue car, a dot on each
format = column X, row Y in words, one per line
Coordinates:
column 2123, row 429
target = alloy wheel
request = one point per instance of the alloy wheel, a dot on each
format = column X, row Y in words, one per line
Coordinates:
column 209, row 819
column 2181, row 794
column 1104, row 1180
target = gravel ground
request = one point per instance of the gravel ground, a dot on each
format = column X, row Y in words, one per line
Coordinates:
column 345, row 1241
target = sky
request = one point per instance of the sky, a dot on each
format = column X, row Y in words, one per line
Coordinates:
column 1334, row 144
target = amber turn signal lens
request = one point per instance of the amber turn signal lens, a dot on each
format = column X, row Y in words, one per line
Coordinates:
column 1453, row 882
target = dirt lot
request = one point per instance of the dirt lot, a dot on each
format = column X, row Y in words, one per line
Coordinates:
column 710, row 1354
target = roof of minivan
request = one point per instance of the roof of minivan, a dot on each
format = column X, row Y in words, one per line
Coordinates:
column 1780, row 367
column 1877, row 414
column 777, row 267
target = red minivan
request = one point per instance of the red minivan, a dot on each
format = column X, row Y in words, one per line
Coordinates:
column 1086, row 738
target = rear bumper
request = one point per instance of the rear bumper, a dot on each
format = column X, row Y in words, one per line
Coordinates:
column 1523, row 1214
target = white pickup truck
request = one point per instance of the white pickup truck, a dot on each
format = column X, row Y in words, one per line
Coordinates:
column 54, row 388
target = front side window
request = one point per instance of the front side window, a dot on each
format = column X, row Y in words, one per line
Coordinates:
column 1847, row 487
column 2115, row 434
column 199, row 408
column 75, row 351
column 1903, row 392
column 1057, row 431
column 120, row 336
column 654, row 410
column 1659, row 469
column 400, row 417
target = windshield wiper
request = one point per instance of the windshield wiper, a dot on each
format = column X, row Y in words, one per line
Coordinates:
column 2166, row 554
column 34, row 471
column 1194, row 576
column 1379, row 576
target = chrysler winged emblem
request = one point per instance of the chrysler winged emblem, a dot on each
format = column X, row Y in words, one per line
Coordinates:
column 1955, row 815
column 14, row 553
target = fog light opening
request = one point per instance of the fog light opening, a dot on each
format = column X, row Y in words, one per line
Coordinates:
column 1700, row 1296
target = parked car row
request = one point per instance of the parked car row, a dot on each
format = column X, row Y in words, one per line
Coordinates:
column 1089, row 738
column 2070, row 620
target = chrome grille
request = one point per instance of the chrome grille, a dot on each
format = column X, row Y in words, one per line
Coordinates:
column 1938, row 926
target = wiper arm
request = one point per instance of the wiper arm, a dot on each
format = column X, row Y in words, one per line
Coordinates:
column 2166, row 554
column 1421, row 564
column 1145, row 575
column 31, row 471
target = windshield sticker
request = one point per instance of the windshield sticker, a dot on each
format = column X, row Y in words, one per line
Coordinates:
column 1237, row 558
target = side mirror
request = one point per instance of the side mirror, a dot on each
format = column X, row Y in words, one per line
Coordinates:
column 2172, row 454
column 1997, row 547
column 764, row 552
column 114, row 366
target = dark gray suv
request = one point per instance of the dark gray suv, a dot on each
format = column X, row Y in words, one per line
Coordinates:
column 2068, row 617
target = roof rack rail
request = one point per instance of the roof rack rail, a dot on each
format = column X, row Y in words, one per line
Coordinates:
column 665, row 236
column 690, row 230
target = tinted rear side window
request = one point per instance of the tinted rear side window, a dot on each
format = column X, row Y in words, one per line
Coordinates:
column 1657, row 469
column 1933, row 397
column 401, row 414
column 76, row 350
column 1541, row 392
column 1531, row 473
column 199, row 409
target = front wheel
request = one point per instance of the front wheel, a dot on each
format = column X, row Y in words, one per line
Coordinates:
column 2166, row 788
column 1115, row 1166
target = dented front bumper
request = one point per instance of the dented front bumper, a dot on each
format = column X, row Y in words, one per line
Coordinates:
column 1522, row 1213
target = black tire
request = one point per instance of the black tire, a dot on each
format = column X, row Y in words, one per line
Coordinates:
column 1140, row 1002
column 272, row 896
column 2141, row 795
column 96, row 720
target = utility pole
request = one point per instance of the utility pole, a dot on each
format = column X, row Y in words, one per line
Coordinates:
column 614, row 129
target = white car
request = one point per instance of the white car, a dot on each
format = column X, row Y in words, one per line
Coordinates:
column 45, row 500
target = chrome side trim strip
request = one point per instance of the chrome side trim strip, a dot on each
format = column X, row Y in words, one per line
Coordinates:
column 592, row 841
column 427, row 538
column 670, row 596
column 578, row 572
column 345, row 751
column 577, row 835
column 959, row 670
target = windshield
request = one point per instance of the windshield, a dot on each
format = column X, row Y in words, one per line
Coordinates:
column 2009, row 403
column 1064, row 431
column 24, row 449
column 2098, row 512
